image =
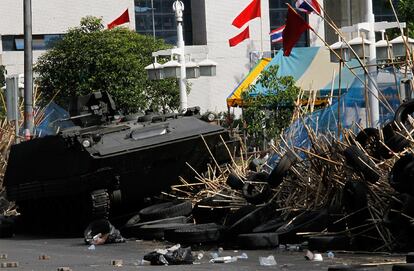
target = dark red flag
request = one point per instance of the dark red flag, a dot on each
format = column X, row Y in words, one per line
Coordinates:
column 124, row 18
column 252, row 11
column 295, row 26
column 245, row 34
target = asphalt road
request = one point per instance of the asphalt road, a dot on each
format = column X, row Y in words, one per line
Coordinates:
column 73, row 253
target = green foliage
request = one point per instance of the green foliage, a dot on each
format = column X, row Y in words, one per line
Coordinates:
column 405, row 10
column 266, row 115
column 89, row 58
column 2, row 75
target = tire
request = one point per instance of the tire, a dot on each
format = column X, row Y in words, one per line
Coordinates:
column 157, row 231
column 326, row 243
column 235, row 216
column 370, row 140
column 261, row 177
column 403, row 267
column 6, row 226
column 397, row 143
column 355, row 199
column 401, row 115
column 248, row 222
column 308, row 221
column 254, row 195
column 133, row 230
column 195, row 234
column 270, row 226
column 257, row 240
column 410, row 257
column 211, row 214
column 166, row 210
column 353, row 267
column 234, row 181
column 282, row 169
column 133, row 220
column 397, row 178
column 360, row 162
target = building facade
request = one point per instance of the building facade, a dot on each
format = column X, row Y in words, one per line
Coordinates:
column 51, row 19
column 206, row 23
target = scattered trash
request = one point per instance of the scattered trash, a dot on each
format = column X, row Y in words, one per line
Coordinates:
column 317, row 257
column 9, row 264
column 144, row 262
column 293, row 248
column 92, row 247
column 214, row 255
column 242, row 256
column 117, row 263
column 170, row 256
column 200, row 256
column 101, row 232
column 309, row 255
column 330, row 255
column 44, row 257
column 225, row 259
column 267, row 261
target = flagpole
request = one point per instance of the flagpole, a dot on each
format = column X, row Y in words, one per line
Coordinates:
column 261, row 38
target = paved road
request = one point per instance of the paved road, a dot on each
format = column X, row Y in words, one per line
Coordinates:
column 74, row 253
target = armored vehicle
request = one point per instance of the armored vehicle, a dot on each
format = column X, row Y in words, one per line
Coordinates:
column 103, row 166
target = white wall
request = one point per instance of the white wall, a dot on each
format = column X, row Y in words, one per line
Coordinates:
column 56, row 16
column 210, row 93
column 53, row 17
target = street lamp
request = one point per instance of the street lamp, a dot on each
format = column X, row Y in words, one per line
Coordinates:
column 178, row 7
column 179, row 69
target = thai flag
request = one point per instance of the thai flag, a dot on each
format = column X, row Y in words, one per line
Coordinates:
column 308, row 6
column 277, row 34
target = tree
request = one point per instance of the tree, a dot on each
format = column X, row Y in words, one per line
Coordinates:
column 406, row 14
column 90, row 58
column 2, row 75
column 267, row 114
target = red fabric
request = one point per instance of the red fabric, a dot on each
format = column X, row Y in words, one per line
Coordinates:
column 295, row 26
column 249, row 13
column 124, row 18
column 245, row 34
column 316, row 6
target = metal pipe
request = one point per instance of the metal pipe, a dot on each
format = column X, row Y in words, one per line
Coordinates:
column 28, row 69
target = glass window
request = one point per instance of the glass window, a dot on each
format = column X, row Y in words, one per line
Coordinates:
column 164, row 19
column 19, row 44
column 7, row 43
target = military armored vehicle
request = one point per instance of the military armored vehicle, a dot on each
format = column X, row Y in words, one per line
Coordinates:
column 103, row 166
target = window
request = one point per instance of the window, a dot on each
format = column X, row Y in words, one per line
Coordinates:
column 39, row 42
column 163, row 20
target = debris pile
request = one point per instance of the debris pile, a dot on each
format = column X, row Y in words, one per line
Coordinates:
column 352, row 193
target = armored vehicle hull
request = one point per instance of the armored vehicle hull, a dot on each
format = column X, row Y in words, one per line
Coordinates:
column 105, row 170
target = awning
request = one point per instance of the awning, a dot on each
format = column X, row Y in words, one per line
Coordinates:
column 310, row 67
column 235, row 98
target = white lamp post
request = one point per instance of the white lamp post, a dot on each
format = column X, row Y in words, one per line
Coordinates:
column 178, row 7
column 372, row 68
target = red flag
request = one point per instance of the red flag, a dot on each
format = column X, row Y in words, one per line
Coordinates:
column 124, row 18
column 249, row 13
column 245, row 34
column 295, row 26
